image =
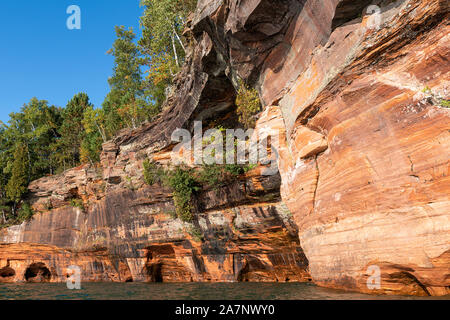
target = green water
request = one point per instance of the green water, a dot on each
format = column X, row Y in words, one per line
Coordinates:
column 176, row 291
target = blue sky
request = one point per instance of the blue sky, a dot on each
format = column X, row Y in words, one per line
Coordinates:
column 40, row 57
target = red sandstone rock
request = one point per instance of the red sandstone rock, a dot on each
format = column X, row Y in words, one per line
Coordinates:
column 363, row 157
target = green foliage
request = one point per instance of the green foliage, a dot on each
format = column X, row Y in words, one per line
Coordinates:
column 426, row 89
column 77, row 203
column 162, row 42
column 235, row 169
column 17, row 184
column 184, row 185
column 213, row 175
column 72, row 131
column 435, row 99
column 127, row 104
column 153, row 173
column 25, row 213
column 36, row 124
column 248, row 105
column 186, row 182
column 445, row 103
column 94, row 134
column 181, row 181
column 196, row 233
column 216, row 175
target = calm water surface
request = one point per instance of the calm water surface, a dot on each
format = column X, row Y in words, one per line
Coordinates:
column 176, row 291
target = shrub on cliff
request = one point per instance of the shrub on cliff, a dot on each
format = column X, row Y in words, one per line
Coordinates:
column 25, row 213
column 445, row 103
column 186, row 182
column 248, row 105
column 184, row 186
column 77, row 203
column 153, row 173
column 216, row 175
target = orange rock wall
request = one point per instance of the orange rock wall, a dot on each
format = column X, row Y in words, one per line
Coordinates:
column 377, row 192
column 363, row 147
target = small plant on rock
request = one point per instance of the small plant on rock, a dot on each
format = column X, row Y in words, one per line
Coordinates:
column 25, row 213
column 77, row 203
column 196, row 233
column 153, row 173
column 248, row 105
column 445, row 103
column 184, row 186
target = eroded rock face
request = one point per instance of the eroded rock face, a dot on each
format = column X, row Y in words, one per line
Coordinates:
column 364, row 140
column 379, row 194
column 365, row 166
column 242, row 233
column 363, row 147
column 28, row 262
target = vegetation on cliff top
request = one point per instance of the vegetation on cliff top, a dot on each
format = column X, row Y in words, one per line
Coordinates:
column 43, row 140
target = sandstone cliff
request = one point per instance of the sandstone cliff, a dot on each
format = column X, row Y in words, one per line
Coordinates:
column 363, row 159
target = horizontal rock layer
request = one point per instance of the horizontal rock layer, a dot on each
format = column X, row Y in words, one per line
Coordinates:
column 131, row 235
column 355, row 100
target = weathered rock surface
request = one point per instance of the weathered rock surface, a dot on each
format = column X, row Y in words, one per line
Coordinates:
column 379, row 194
column 376, row 191
column 28, row 262
column 363, row 154
column 130, row 234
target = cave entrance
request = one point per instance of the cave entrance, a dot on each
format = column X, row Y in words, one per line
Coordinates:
column 7, row 272
column 37, row 272
column 154, row 271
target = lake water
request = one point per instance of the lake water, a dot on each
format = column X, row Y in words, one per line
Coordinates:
column 178, row 291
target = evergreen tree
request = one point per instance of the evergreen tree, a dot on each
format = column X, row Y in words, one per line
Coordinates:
column 127, row 104
column 72, row 131
column 17, row 184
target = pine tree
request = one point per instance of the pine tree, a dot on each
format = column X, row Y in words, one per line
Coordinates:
column 72, row 130
column 17, row 184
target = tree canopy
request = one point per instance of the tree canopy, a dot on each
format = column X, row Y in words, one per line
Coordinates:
column 42, row 139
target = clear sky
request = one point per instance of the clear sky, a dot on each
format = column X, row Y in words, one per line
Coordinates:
column 40, row 57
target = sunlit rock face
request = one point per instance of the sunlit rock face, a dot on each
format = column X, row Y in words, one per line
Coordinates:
column 365, row 142
column 363, row 158
column 379, row 194
column 243, row 232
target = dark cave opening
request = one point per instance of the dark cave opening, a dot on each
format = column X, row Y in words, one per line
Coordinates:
column 7, row 272
column 154, row 271
column 37, row 272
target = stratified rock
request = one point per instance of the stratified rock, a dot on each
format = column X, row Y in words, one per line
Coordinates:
column 131, row 235
column 363, row 143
